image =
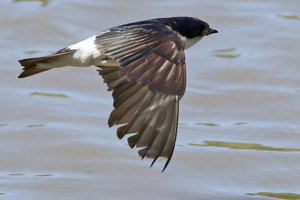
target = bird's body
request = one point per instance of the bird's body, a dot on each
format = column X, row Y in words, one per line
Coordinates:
column 143, row 63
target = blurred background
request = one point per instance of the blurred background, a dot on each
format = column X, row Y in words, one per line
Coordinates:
column 238, row 136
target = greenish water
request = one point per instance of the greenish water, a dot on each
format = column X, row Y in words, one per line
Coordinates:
column 288, row 196
column 237, row 145
column 43, row 2
column 49, row 94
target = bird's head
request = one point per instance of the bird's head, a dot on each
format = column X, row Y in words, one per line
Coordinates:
column 191, row 27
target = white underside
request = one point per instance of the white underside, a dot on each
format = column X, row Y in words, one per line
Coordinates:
column 86, row 54
column 191, row 42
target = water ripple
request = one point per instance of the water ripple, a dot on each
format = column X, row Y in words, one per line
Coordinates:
column 251, row 146
column 289, row 196
column 49, row 94
column 289, row 17
column 44, row 2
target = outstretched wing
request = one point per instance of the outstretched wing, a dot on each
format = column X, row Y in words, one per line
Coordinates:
column 149, row 54
column 147, row 82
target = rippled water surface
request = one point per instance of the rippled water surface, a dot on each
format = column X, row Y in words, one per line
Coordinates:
column 239, row 131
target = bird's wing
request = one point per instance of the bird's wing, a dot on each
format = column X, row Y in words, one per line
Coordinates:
column 147, row 83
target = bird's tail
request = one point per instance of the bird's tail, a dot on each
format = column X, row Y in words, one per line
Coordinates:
column 37, row 65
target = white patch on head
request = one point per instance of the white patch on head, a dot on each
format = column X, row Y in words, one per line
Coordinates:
column 87, row 54
column 191, row 42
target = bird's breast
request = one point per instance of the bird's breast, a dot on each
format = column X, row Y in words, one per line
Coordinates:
column 189, row 42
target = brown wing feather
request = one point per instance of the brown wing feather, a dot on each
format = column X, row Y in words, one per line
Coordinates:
column 147, row 84
column 149, row 116
column 142, row 50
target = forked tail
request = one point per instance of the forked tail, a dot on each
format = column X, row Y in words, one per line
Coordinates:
column 37, row 65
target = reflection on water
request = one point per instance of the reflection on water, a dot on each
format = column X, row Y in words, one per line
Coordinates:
column 44, row 2
column 44, row 175
column 225, row 50
column 289, row 17
column 207, row 124
column 22, row 174
column 289, row 196
column 226, row 53
column 240, row 123
column 35, row 125
column 237, row 145
column 49, row 94
column 31, row 52
column 16, row 174
column 210, row 124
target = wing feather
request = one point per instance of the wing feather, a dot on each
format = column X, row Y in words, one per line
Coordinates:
column 147, row 84
column 139, row 48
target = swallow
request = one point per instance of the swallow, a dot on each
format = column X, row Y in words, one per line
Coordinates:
column 143, row 64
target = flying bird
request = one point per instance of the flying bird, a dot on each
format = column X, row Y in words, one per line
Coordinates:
column 143, row 63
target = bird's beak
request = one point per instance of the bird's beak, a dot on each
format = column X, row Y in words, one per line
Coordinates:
column 212, row 31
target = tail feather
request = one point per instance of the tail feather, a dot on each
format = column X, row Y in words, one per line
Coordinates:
column 37, row 65
column 30, row 66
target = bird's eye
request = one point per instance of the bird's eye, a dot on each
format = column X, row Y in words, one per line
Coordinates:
column 205, row 31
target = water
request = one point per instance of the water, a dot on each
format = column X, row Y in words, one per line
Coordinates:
column 239, row 119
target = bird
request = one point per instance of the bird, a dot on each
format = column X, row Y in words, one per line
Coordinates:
column 143, row 64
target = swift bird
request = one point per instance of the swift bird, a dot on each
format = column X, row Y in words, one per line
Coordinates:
column 143, row 63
